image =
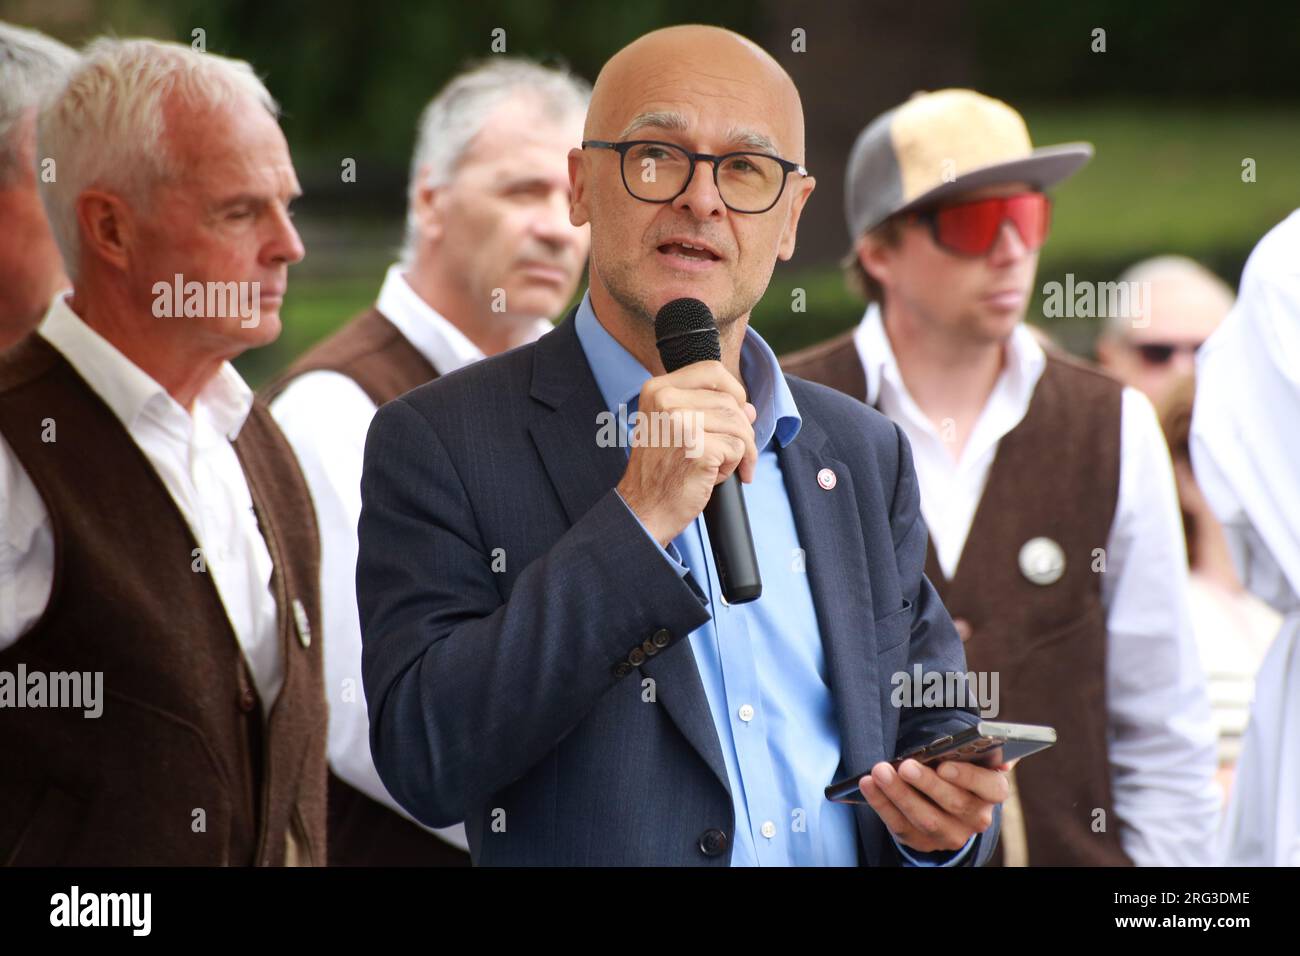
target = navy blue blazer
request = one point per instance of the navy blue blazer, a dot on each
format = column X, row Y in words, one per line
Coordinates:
column 502, row 586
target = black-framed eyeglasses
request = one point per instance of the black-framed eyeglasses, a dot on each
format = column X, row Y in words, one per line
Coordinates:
column 659, row 172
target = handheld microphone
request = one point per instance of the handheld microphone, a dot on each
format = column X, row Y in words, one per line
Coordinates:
column 686, row 333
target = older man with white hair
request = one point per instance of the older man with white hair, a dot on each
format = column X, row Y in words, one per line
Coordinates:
column 32, row 67
column 157, row 541
column 489, row 255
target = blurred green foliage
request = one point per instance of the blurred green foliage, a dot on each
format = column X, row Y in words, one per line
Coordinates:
column 1163, row 180
column 1183, row 93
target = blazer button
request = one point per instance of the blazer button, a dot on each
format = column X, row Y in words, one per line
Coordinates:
column 247, row 700
column 713, row 842
column 622, row 669
column 649, row 647
column 637, row 657
column 661, row 638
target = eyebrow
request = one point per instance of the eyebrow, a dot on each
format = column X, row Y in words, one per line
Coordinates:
column 253, row 199
column 676, row 123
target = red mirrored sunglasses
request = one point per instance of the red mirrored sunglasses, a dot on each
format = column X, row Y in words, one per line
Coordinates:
column 972, row 228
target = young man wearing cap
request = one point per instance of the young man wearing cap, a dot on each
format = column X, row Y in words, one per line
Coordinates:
column 1055, row 539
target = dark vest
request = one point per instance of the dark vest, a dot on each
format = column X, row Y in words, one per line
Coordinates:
column 1055, row 475
column 370, row 351
column 181, row 767
column 375, row 355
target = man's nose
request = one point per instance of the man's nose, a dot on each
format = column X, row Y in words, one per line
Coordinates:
column 1008, row 247
column 701, row 196
column 1184, row 362
column 551, row 226
column 285, row 245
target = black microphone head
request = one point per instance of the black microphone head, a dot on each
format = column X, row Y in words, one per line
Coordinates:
column 686, row 333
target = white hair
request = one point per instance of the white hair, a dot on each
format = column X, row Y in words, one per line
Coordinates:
column 105, row 129
column 1170, row 268
column 32, row 68
column 459, row 112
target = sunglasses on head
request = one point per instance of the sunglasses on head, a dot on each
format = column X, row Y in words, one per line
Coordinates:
column 972, row 228
column 1160, row 353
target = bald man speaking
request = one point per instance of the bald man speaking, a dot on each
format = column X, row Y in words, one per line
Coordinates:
column 547, row 652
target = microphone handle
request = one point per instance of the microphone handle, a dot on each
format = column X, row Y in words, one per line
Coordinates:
column 732, row 543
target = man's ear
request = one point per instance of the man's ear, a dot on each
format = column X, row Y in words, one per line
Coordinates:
column 579, row 212
column 786, row 247
column 875, row 257
column 107, row 227
column 426, row 207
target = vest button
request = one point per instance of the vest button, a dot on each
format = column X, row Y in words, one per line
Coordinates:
column 247, row 700
column 963, row 628
column 713, row 842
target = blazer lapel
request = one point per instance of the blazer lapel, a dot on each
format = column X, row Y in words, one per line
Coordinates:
column 581, row 472
column 830, row 533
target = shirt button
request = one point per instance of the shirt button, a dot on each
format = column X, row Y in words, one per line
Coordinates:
column 746, row 713
column 768, row 829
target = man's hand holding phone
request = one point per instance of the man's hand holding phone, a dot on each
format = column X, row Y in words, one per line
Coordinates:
column 927, row 809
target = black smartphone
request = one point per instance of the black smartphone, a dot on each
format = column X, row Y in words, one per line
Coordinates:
column 987, row 743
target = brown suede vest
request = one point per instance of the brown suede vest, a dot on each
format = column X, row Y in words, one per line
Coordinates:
column 1056, row 475
column 375, row 355
column 180, row 767
column 370, row 351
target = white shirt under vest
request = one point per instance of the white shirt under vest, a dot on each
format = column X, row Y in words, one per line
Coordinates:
column 192, row 454
column 326, row 415
column 1161, row 735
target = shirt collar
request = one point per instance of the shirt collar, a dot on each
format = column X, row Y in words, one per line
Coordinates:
column 1020, row 374
column 445, row 346
column 130, row 392
column 619, row 376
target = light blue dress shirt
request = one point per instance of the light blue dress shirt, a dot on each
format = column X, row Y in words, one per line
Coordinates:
column 762, row 663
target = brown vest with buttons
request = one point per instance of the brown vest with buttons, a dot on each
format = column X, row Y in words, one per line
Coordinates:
column 374, row 354
column 1055, row 475
column 180, row 767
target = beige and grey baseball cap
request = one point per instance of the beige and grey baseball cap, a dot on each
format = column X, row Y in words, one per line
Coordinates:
column 942, row 143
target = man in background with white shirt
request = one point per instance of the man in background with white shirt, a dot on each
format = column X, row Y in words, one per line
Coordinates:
column 1046, row 486
column 157, row 540
column 32, row 67
column 489, row 255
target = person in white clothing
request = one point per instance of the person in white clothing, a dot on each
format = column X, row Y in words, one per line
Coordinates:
column 1045, row 485
column 490, row 255
column 1246, row 454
